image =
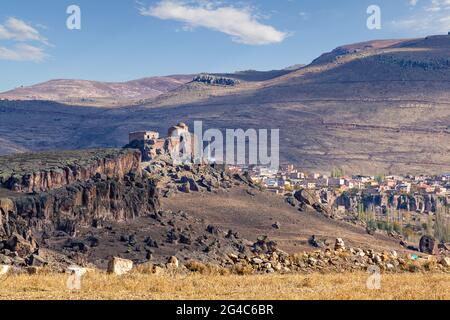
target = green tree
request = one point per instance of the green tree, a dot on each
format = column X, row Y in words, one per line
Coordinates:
column 442, row 224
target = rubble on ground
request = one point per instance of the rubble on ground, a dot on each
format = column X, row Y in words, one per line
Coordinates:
column 186, row 178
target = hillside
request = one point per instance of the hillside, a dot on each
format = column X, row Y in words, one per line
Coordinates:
column 89, row 205
column 374, row 107
column 83, row 92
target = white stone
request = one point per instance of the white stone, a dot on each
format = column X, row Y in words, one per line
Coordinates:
column 233, row 257
column 339, row 244
column 4, row 269
column 173, row 262
column 119, row 266
column 445, row 261
column 278, row 266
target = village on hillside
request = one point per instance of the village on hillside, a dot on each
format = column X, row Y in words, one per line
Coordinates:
column 406, row 206
column 290, row 178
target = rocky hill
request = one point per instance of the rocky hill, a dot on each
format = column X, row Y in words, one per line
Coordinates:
column 371, row 108
column 87, row 206
column 95, row 93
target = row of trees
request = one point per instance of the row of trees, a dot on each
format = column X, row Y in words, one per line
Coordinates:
column 400, row 221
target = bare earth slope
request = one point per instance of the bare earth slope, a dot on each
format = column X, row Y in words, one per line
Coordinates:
column 253, row 216
column 96, row 93
column 374, row 107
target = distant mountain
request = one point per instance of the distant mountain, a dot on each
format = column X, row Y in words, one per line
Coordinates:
column 118, row 94
column 373, row 107
column 83, row 92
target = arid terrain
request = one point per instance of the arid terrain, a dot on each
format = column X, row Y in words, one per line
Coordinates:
column 375, row 107
column 253, row 216
column 87, row 206
column 183, row 231
column 95, row 93
column 179, row 231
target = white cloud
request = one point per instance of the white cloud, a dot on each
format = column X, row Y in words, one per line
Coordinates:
column 438, row 5
column 241, row 23
column 433, row 18
column 22, row 52
column 413, row 3
column 18, row 30
column 20, row 33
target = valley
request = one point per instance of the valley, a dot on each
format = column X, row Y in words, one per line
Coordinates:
column 372, row 108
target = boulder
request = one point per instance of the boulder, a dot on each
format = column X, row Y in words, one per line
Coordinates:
column 185, row 188
column 173, row 262
column 339, row 245
column 213, row 230
column 4, row 269
column 151, row 243
column 119, row 266
column 17, row 243
column 445, row 261
column 4, row 259
column 36, row 261
column 93, row 241
column 428, row 245
column 308, row 198
column 291, row 201
column 276, row 225
column 313, row 241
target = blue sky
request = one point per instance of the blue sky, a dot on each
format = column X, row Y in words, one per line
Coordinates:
column 127, row 39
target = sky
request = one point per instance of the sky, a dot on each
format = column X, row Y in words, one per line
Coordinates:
column 123, row 40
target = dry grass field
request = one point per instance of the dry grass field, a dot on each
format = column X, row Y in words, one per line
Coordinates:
column 138, row 286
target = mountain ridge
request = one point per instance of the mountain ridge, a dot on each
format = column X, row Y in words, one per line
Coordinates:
column 95, row 93
column 385, row 109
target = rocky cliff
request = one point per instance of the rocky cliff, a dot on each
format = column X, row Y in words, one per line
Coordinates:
column 70, row 190
column 51, row 170
column 408, row 202
column 215, row 80
column 79, row 204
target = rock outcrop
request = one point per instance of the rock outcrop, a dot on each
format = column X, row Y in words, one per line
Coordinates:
column 215, row 80
column 86, row 193
column 78, row 204
column 408, row 202
column 307, row 198
column 51, row 170
column 186, row 178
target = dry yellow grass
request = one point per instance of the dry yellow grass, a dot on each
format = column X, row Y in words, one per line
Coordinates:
column 258, row 287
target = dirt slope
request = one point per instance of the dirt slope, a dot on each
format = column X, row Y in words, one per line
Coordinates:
column 254, row 215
